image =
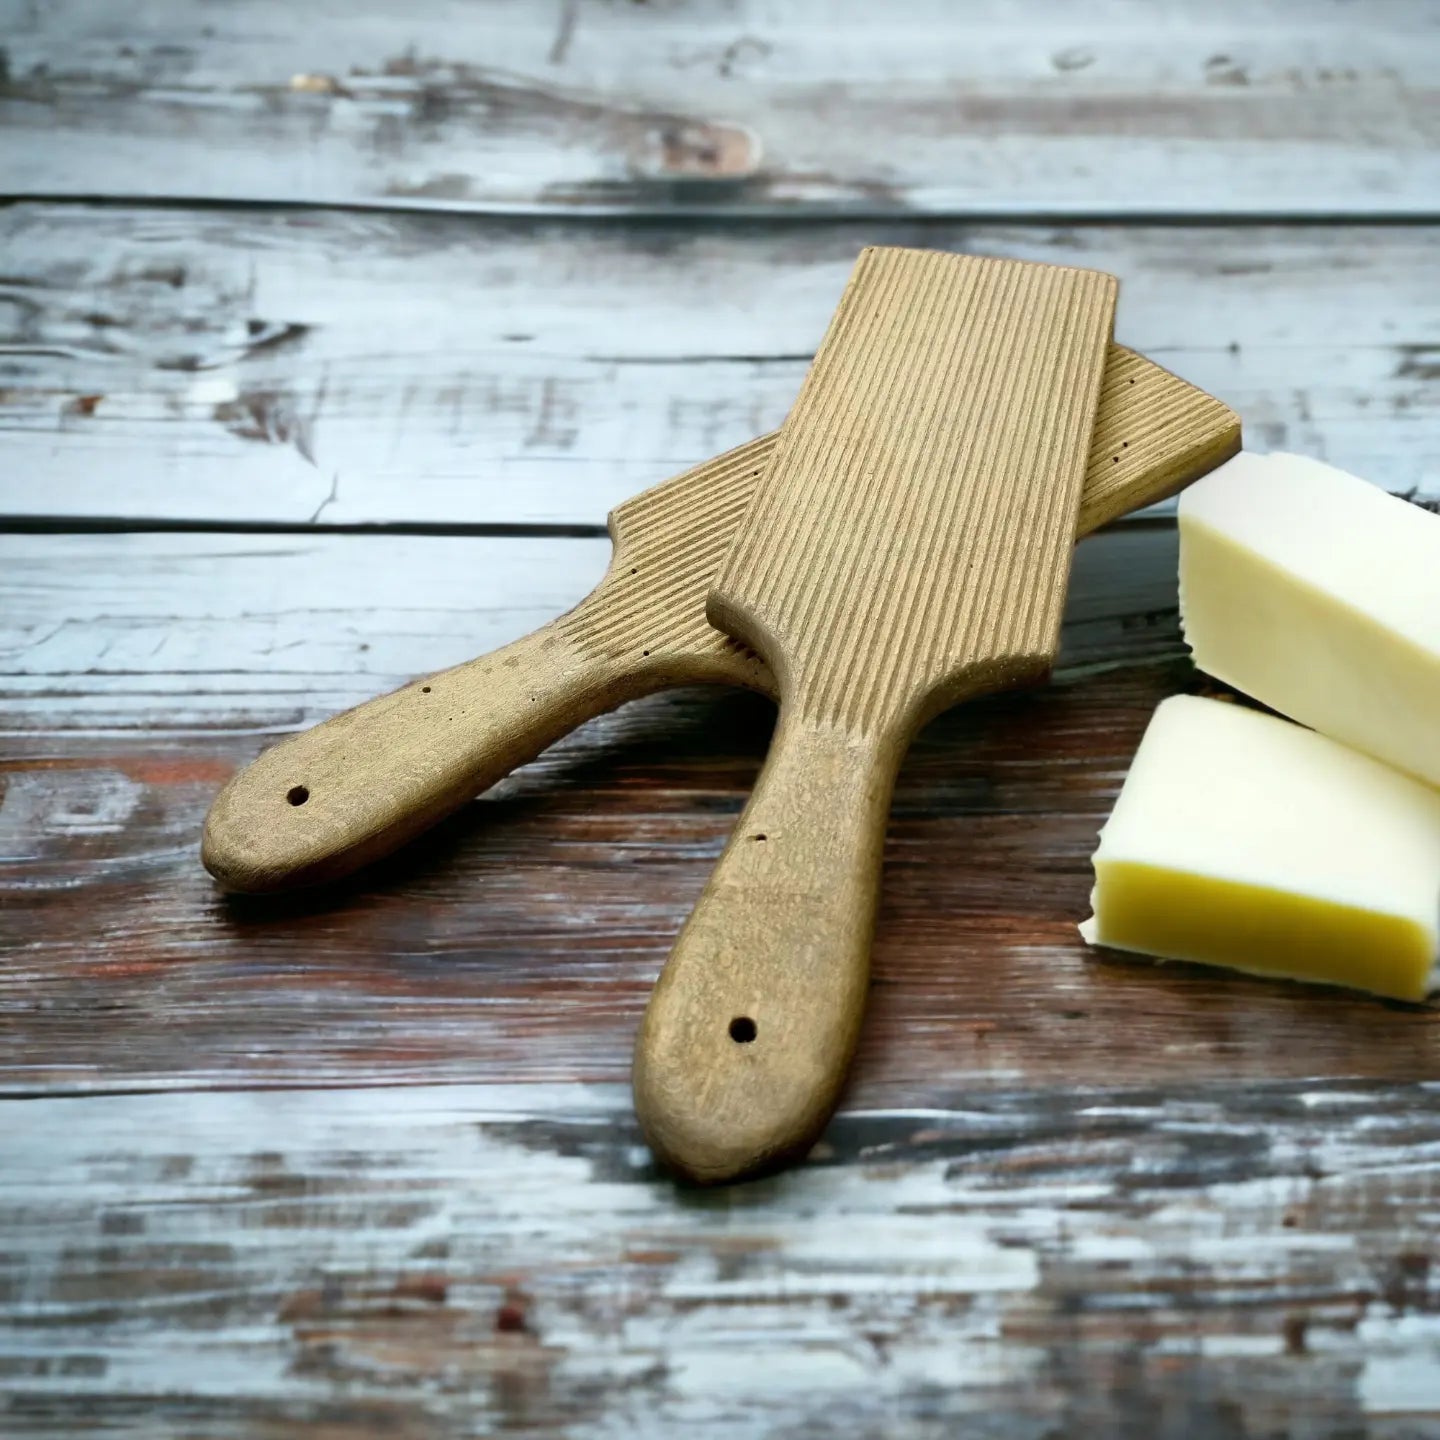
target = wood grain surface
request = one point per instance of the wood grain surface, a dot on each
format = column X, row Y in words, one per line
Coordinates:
column 1241, row 1260
column 258, row 368
column 1227, row 108
column 363, row 1164
column 1063, row 1190
column 519, row 941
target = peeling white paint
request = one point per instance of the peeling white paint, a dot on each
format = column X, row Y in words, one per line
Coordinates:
column 1249, row 1346
column 212, row 390
column 850, row 1280
column 36, row 804
column 454, row 383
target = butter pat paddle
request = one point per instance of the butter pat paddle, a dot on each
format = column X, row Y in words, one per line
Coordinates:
column 908, row 546
column 1240, row 839
column 323, row 803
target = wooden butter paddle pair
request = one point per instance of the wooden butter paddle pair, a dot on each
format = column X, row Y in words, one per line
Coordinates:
column 901, row 543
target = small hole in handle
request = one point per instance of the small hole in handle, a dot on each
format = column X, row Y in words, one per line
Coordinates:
column 742, row 1030
column 758, row 839
column 424, row 689
column 297, row 794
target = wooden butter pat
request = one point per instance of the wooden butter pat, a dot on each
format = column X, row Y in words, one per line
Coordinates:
column 1318, row 594
column 1242, row 840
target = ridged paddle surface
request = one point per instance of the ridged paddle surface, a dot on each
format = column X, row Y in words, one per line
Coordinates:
column 1154, row 433
column 913, row 530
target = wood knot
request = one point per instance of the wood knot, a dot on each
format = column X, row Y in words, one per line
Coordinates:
column 705, row 150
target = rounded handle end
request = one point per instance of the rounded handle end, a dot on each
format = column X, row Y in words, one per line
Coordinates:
column 731, row 1091
column 256, row 839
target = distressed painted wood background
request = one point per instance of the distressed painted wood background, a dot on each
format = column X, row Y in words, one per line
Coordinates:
column 328, row 334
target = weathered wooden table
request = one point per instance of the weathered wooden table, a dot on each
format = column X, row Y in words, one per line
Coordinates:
column 328, row 334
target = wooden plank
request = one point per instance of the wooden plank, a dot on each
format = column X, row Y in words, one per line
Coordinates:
column 449, row 1261
column 520, row 941
column 362, row 369
column 176, row 633
column 1299, row 106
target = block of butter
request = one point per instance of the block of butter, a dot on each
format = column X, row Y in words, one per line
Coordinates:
column 1318, row 594
column 1242, row 840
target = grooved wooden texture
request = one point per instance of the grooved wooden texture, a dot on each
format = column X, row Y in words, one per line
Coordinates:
column 381, row 773
column 1154, row 430
column 911, row 531
column 669, row 545
column 1154, row 433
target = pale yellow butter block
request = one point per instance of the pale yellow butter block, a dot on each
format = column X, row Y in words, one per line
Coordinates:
column 1318, row 594
column 1242, row 840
